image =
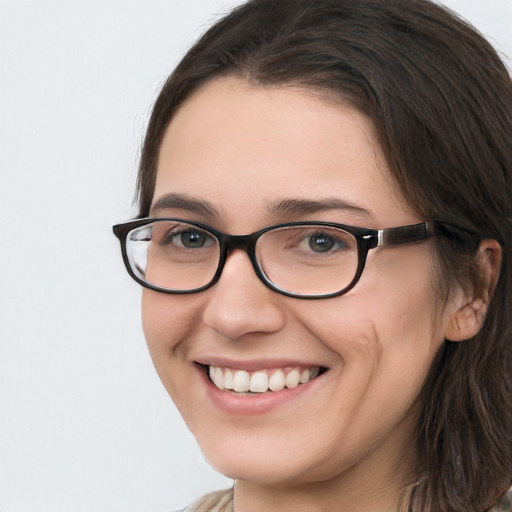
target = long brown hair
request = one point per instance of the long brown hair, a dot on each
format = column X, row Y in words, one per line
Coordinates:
column 441, row 102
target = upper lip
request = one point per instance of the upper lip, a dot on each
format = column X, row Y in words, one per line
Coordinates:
column 255, row 364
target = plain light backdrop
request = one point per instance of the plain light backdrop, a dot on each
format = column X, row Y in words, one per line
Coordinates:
column 85, row 424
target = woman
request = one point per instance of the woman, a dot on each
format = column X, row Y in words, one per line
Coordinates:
column 324, row 366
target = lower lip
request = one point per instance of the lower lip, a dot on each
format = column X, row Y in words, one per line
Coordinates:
column 258, row 403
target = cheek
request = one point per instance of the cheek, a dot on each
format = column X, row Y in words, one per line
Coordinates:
column 170, row 323
column 167, row 321
column 401, row 298
column 407, row 332
column 378, row 319
column 385, row 333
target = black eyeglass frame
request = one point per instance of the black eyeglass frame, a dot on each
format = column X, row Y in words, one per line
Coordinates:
column 366, row 239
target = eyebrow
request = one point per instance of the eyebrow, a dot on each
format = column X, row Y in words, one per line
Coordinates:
column 298, row 207
column 184, row 202
column 283, row 207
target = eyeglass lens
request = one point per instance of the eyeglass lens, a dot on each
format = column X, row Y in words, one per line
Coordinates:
column 303, row 260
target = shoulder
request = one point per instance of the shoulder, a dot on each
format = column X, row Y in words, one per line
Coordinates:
column 219, row 501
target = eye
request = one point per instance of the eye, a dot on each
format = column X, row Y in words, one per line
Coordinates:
column 189, row 239
column 324, row 242
column 320, row 242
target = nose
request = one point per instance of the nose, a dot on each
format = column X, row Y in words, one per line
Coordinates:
column 240, row 303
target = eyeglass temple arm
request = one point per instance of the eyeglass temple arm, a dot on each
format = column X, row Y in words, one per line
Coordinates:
column 406, row 234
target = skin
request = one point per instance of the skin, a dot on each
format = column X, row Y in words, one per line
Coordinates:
column 347, row 441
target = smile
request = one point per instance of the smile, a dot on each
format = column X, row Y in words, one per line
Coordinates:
column 262, row 381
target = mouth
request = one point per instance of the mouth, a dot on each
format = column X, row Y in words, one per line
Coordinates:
column 261, row 381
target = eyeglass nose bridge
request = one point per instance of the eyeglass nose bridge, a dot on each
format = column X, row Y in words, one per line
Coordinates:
column 245, row 243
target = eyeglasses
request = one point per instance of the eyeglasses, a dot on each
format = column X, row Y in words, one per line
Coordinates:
column 308, row 260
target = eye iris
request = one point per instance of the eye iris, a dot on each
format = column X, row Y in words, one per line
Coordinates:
column 321, row 243
column 192, row 239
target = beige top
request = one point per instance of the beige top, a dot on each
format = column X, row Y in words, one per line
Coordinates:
column 222, row 501
column 219, row 501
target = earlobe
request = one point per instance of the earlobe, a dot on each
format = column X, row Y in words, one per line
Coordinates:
column 469, row 317
column 466, row 321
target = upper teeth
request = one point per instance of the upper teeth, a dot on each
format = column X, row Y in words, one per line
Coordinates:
column 242, row 381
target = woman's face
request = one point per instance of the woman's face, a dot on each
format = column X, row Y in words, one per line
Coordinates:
column 236, row 157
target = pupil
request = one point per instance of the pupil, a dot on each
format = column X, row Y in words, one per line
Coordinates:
column 321, row 243
column 192, row 239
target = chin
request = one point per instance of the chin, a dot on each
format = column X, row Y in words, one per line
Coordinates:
column 259, row 459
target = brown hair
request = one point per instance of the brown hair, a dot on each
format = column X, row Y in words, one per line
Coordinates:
column 441, row 102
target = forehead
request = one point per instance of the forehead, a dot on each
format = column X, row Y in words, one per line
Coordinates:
column 241, row 148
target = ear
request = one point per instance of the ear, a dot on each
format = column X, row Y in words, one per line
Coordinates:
column 468, row 318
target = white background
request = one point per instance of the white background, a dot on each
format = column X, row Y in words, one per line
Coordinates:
column 85, row 425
